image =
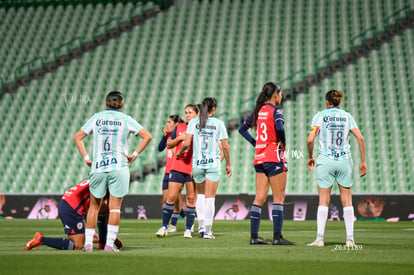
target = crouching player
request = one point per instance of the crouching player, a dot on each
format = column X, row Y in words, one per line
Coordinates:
column 72, row 212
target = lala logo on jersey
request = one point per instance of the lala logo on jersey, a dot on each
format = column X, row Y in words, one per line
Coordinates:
column 205, row 161
column 105, row 162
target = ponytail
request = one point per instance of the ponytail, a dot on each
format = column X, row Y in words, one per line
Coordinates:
column 114, row 100
column 267, row 92
column 206, row 107
column 334, row 97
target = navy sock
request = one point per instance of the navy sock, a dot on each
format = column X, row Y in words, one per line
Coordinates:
column 174, row 218
column 190, row 213
column 255, row 213
column 182, row 213
column 277, row 214
column 102, row 228
column 58, row 243
column 167, row 211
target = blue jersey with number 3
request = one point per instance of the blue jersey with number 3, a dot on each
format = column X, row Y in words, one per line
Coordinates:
column 333, row 126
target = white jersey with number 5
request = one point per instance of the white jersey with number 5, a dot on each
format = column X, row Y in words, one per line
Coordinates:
column 333, row 126
column 110, row 129
column 206, row 150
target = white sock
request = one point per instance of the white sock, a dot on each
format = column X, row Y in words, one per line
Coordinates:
column 200, row 208
column 89, row 232
column 349, row 222
column 322, row 216
column 209, row 214
column 111, row 235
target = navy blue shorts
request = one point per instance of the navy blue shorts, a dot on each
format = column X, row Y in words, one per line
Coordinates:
column 179, row 177
column 165, row 181
column 73, row 222
column 271, row 169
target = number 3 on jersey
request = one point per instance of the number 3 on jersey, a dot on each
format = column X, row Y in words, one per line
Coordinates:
column 261, row 131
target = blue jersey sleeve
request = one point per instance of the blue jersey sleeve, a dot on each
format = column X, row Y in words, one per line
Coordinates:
column 244, row 130
column 162, row 144
column 174, row 133
column 279, row 124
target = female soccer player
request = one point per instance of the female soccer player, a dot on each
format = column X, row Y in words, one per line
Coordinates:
column 180, row 175
column 206, row 133
column 269, row 161
column 172, row 122
column 110, row 165
column 334, row 163
column 72, row 212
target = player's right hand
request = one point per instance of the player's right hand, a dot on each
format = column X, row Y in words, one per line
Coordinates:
column 88, row 162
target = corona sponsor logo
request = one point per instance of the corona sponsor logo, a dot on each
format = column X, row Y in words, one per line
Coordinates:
column 334, row 119
column 101, row 122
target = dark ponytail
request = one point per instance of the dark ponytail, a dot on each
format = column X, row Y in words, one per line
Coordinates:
column 206, row 107
column 268, row 91
column 334, row 97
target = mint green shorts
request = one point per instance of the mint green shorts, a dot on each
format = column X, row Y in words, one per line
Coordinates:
column 329, row 171
column 213, row 174
column 116, row 181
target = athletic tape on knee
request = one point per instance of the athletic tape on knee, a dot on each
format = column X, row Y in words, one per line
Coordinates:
column 115, row 210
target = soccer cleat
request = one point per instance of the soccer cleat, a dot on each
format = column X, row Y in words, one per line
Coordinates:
column 258, row 240
column 208, row 236
column 317, row 243
column 162, row 232
column 88, row 248
column 187, row 234
column 201, row 231
column 282, row 241
column 110, row 249
column 172, row 229
column 350, row 243
column 35, row 241
column 118, row 243
column 100, row 246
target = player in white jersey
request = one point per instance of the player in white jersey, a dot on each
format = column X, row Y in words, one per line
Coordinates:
column 110, row 163
column 207, row 133
column 334, row 163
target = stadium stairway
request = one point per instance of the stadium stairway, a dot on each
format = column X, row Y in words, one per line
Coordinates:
column 119, row 22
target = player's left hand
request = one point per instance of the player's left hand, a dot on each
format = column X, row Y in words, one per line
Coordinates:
column 311, row 164
column 363, row 169
column 130, row 158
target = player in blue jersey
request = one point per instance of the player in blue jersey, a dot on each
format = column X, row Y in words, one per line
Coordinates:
column 110, row 163
column 269, row 162
column 172, row 122
column 72, row 211
column 207, row 133
column 180, row 175
column 334, row 163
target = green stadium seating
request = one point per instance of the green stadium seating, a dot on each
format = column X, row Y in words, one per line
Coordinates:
column 226, row 49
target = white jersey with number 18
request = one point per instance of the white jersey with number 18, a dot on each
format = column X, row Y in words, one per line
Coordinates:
column 332, row 127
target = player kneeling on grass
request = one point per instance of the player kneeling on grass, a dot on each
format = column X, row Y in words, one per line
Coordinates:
column 72, row 211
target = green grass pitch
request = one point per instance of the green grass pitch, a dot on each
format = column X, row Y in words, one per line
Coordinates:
column 382, row 248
